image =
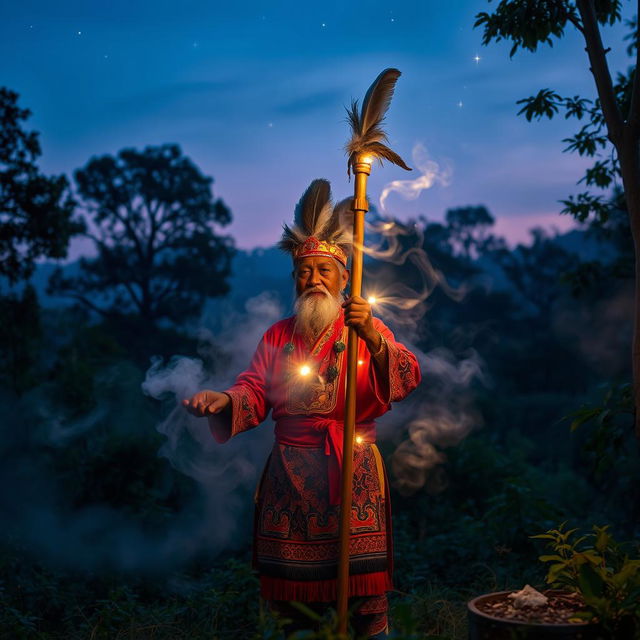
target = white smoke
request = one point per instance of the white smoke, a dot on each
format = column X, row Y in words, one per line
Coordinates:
column 430, row 173
column 441, row 412
column 227, row 473
column 98, row 535
column 396, row 302
column 445, row 414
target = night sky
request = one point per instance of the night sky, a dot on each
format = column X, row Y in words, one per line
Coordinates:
column 255, row 92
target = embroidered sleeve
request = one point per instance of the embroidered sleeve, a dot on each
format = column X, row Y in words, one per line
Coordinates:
column 249, row 404
column 402, row 374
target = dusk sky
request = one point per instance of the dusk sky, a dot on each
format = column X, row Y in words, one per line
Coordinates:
column 254, row 93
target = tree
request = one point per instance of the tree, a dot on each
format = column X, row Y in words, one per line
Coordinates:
column 611, row 134
column 615, row 264
column 36, row 211
column 470, row 230
column 36, row 221
column 20, row 335
column 535, row 271
column 151, row 217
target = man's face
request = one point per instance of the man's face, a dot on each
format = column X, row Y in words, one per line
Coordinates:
column 319, row 272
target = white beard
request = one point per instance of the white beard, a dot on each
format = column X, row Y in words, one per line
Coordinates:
column 315, row 312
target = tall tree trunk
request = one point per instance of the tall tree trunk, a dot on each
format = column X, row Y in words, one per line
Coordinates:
column 629, row 157
column 635, row 352
column 624, row 134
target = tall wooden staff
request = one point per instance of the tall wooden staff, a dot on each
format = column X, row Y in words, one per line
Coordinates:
column 366, row 144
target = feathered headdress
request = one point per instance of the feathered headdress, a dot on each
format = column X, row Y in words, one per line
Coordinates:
column 367, row 132
column 318, row 229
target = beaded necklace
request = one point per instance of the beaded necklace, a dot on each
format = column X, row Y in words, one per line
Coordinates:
column 332, row 370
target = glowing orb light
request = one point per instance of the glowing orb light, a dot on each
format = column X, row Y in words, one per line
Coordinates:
column 359, row 439
column 360, row 362
column 371, row 299
column 305, row 370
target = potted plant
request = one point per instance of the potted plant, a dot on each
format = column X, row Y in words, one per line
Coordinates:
column 594, row 595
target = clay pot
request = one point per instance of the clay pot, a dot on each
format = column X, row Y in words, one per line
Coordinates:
column 483, row 626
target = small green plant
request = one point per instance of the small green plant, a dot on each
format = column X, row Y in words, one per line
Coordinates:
column 611, row 423
column 602, row 571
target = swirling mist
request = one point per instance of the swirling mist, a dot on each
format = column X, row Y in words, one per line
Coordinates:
column 441, row 412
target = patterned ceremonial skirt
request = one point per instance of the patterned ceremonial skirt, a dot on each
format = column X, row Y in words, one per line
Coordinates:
column 296, row 529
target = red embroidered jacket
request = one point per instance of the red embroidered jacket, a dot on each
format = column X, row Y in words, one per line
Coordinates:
column 274, row 380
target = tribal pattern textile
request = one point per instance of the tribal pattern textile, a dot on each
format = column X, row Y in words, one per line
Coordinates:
column 297, row 527
column 297, row 504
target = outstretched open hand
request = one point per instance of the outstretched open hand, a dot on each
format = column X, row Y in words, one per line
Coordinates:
column 206, row 403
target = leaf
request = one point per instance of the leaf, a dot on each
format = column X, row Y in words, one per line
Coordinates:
column 630, row 569
column 590, row 583
column 544, row 103
column 600, row 175
column 550, row 559
column 584, row 205
column 310, row 613
column 581, row 616
column 603, row 538
column 555, row 570
column 583, row 416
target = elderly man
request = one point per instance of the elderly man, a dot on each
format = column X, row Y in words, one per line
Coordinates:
column 298, row 372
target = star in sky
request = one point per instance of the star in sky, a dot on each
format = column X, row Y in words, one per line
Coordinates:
column 227, row 104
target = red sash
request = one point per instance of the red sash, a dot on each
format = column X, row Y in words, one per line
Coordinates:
column 317, row 432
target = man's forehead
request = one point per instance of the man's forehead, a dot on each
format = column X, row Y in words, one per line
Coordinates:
column 316, row 261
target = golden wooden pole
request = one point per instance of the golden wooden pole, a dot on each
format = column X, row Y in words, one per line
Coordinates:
column 361, row 170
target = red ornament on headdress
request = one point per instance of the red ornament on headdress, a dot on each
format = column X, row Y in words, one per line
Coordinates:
column 318, row 228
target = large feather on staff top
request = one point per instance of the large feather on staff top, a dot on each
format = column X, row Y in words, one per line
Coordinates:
column 313, row 216
column 368, row 135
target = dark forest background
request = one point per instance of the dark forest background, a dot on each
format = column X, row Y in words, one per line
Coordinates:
column 123, row 519
column 111, row 526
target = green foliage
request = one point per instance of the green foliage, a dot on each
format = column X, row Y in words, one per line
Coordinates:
column 528, row 23
column 584, row 205
column 612, row 422
column 469, row 231
column 601, row 570
column 535, row 271
column 474, row 534
column 543, row 104
column 436, row 613
column 599, row 175
column 219, row 603
column 593, row 279
column 36, row 211
column 20, row 335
